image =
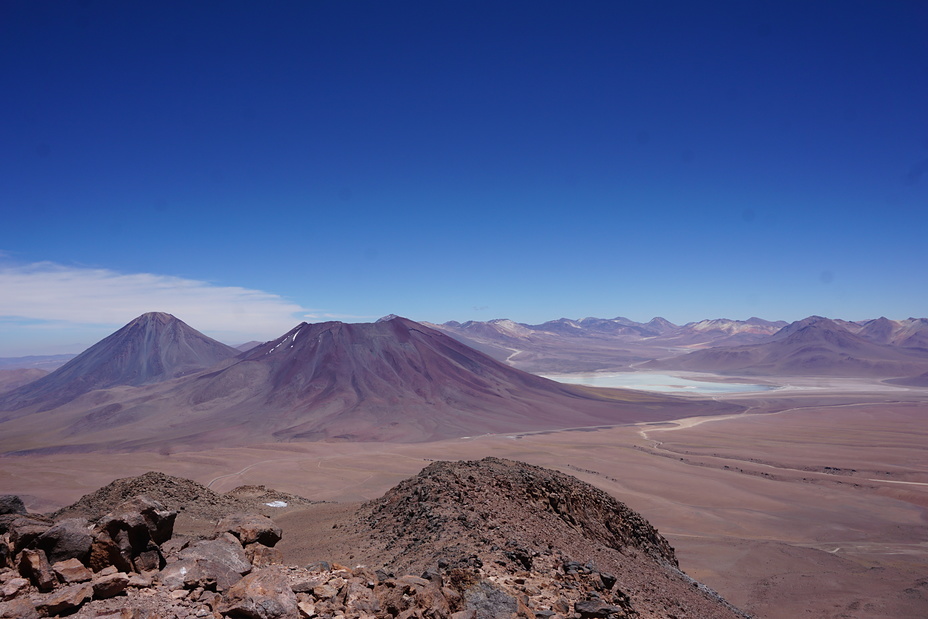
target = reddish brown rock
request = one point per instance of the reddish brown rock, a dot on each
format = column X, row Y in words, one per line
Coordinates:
column 264, row 594
column 34, row 566
column 251, row 528
column 192, row 573
column 261, row 556
column 106, row 552
column 13, row 587
column 65, row 600
column 20, row 608
column 109, row 585
column 72, row 571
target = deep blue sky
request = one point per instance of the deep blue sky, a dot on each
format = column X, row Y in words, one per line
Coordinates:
column 459, row 160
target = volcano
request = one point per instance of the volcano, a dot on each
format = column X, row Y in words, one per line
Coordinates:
column 152, row 348
column 393, row 380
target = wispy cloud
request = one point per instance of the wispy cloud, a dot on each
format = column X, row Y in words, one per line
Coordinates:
column 321, row 316
column 65, row 295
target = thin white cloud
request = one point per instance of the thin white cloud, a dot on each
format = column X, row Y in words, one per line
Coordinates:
column 69, row 295
column 320, row 316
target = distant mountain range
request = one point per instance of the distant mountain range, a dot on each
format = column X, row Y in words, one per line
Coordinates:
column 814, row 346
column 391, row 380
column 875, row 348
column 589, row 344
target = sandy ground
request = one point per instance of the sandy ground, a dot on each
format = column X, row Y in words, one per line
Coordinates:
column 813, row 503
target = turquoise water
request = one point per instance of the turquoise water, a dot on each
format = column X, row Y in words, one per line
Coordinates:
column 646, row 381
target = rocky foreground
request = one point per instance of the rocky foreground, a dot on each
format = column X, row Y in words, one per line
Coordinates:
column 463, row 540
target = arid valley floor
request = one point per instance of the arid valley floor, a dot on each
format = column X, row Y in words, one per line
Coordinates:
column 814, row 502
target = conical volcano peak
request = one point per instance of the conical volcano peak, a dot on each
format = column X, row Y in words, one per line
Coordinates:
column 152, row 348
column 154, row 318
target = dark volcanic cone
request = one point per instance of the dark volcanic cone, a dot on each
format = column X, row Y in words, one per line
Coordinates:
column 399, row 380
column 152, row 348
column 393, row 380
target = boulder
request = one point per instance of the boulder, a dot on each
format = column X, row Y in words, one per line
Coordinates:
column 193, row 573
column 71, row 571
column 65, row 600
column 261, row 556
column 109, row 585
column 128, row 537
column 20, row 608
column 13, row 587
column 106, row 552
column 597, row 609
column 24, row 531
column 11, row 504
column 144, row 518
column 263, row 594
column 67, row 539
column 34, row 565
column 224, row 549
column 251, row 528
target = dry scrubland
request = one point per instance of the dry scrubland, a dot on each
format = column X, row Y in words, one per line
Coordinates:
column 813, row 503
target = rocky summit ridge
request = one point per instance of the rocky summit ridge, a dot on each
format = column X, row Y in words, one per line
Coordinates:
column 462, row 540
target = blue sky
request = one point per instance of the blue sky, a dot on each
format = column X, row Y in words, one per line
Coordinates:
column 246, row 166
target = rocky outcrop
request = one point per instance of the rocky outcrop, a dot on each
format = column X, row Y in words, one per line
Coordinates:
column 11, row 504
column 467, row 540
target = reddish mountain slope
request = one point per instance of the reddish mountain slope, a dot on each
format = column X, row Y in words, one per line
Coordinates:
column 813, row 346
column 394, row 380
column 152, row 348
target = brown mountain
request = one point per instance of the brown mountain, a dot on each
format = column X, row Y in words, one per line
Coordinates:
column 152, row 348
column 393, row 380
column 813, row 346
column 12, row 379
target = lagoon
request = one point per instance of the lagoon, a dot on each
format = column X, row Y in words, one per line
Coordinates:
column 646, row 381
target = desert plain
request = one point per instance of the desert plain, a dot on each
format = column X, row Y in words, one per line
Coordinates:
column 812, row 502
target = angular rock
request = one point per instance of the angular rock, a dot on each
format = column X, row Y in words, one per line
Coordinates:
column 71, row 571
column 135, row 527
column 24, row 531
column 251, row 528
column 20, row 608
column 67, row 539
column 148, row 560
column 13, row 587
column 224, row 549
column 65, row 600
column 34, row 566
column 263, row 594
column 489, row 601
column 11, row 504
column 261, row 556
column 192, row 573
column 109, row 585
column 597, row 609
column 106, row 552
column 140, row 581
